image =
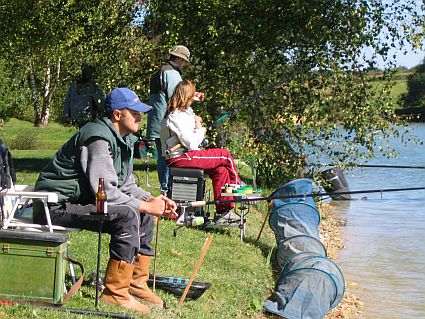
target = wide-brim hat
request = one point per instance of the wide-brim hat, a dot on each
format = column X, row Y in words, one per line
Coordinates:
column 181, row 51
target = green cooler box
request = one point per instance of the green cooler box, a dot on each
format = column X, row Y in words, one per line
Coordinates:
column 32, row 266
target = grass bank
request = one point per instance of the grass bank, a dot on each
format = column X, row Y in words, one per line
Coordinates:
column 240, row 273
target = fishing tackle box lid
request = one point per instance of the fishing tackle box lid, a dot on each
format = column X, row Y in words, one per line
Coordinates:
column 32, row 266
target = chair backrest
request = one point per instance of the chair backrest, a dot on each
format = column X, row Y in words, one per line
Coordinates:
column 7, row 180
column 187, row 185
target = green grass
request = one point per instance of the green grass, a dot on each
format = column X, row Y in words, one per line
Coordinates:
column 50, row 138
column 399, row 88
column 240, row 273
column 400, row 85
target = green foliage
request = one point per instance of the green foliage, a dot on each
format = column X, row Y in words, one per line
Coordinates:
column 294, row 74
column 47, row 41
column 13, row 96
column 291, row 72
column 49, row 139
column 25, row 140
column 399, row 88
column 416, row 87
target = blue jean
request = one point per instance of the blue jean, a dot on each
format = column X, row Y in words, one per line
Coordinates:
column 162, row 168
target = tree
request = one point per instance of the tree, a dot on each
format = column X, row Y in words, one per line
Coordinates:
column 291, row 71
column 416, row 87
column 13, row 95
column 49, row 40
column 34, row 37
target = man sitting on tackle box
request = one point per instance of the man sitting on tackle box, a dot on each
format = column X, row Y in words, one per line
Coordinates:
column 104, row 148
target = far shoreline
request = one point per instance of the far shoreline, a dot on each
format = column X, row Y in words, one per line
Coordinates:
column 412, row 114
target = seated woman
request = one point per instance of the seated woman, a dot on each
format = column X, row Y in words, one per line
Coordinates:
column 182, row 133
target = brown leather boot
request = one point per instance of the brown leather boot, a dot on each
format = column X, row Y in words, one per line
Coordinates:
column 138, row 284
column 117, row 282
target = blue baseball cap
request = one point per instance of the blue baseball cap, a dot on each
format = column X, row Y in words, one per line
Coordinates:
column 124, row 98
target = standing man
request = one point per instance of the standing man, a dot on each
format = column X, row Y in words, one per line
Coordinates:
column 84, row 101
column 162, row 84
column 104, row 148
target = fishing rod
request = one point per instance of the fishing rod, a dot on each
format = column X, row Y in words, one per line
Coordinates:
column 92, row 312
column 45, row 306
column 374, row 165
column 199, row 221
column 271, row 197
column 220, row 119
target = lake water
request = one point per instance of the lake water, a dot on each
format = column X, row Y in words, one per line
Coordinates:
column 385, row 238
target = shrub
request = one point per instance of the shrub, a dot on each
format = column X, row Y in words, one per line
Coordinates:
column 25, row 140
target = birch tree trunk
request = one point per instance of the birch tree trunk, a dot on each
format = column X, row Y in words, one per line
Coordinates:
column 42, row 116
column 34, row 90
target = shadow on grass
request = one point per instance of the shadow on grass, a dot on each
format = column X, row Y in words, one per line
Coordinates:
column 269, row 252
column 32, row 164
column 143, row 166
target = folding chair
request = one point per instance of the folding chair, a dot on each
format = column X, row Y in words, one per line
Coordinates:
column 19, row 197
column 16, row 200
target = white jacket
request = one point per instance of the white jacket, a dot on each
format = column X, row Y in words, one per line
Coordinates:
column 179, row 128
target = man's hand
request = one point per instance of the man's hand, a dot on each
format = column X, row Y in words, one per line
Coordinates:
column 159, row 206
column 153, row 206
column 170, row 207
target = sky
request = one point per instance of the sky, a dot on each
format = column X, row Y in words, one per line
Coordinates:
column 411, row 59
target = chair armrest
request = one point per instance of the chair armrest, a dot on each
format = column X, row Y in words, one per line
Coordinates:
column 50, row 196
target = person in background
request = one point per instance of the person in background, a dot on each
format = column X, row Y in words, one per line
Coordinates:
column 182, row 133
column 84, row 101
column 162, row 84
column 104, row 148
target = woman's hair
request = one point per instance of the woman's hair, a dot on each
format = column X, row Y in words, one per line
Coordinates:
column 182, row 96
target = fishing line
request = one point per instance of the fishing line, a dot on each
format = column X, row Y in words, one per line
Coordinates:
column 372, row 165
column 271, row 197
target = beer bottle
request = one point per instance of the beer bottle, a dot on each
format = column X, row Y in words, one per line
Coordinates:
column 101, row 204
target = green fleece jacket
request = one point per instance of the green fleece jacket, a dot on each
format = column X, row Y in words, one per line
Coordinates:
column 65, row 175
